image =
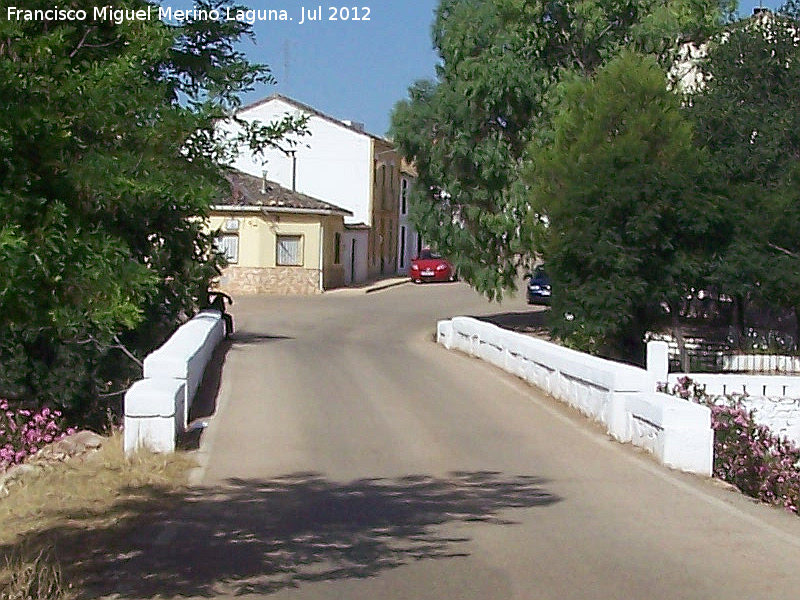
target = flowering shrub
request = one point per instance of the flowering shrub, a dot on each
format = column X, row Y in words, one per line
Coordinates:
column 746, row 454
column 23, row 432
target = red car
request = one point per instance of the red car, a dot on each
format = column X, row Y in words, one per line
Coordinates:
column 430, row 266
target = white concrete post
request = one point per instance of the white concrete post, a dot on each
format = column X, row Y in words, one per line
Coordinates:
column 444, row 333
column 657, row 362
column 151, row 414
column 616, row 417
column 185, row 356
column 676, row 431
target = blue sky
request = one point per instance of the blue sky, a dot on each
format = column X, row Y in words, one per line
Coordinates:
column 353, row 70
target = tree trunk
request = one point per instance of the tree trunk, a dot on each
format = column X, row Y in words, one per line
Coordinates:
column 737, row 317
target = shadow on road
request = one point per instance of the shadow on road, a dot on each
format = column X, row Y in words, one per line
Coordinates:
column 531, row 321
column 247, row 338
column 205, row 402
column 261, row 536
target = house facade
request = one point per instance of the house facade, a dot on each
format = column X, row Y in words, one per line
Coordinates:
column 278, row 241
column 340, row 163
column 409, row 242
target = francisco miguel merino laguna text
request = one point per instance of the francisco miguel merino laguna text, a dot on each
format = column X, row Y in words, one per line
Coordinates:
column 164, row 13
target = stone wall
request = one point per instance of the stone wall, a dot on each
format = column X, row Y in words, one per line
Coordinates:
column 269, row 280
column 781, row 415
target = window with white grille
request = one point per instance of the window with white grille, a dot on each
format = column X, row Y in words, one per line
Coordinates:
column 289, row 251
column 228, row 245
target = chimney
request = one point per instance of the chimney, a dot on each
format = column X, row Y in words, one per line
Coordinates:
column 236, row 190
column 358, row 126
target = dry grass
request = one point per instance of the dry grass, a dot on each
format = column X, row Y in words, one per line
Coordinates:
column 92, row 493
column 33, row 577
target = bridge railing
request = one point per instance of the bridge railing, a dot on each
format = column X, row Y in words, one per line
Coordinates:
column 621, row 397
column 157, row 406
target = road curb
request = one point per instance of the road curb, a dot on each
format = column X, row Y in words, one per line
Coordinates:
column 386, row 285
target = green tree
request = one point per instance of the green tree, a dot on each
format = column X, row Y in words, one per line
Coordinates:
column 631, row 209
column 109, row 163
column 748, row 116
column 497, row 90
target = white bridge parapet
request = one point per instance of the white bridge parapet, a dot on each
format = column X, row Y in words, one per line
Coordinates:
column 157, row 407
column 619, row 396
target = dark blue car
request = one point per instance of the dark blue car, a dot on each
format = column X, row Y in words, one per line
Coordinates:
column 538, row 287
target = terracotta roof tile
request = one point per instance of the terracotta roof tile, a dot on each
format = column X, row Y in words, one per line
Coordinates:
column 247, row 190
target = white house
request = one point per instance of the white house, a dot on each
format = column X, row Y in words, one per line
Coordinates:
column 277, row 241
column 342, row 164
column 686, row 73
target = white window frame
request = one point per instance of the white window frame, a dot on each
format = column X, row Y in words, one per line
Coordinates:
column 228, row 245
column 281, row 254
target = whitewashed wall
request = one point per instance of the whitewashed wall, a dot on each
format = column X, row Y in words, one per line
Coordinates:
column 334, row 162
column 157, row 407
column 621, row 397
column 717, row 384
column 775, row 399
column 781, row 415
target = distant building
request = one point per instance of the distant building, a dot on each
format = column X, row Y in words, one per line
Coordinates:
column 341, row 164
column 686, row 73
column 278, row 241
column 409, row 242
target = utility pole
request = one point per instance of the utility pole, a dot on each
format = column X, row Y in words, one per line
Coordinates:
column 293, row 154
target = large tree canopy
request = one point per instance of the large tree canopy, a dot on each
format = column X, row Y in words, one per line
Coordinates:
column 496, row 90
column 633, row 217
column 748, row 115
column 109, row 163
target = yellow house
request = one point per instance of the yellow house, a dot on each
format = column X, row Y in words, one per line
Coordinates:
column 277, row 241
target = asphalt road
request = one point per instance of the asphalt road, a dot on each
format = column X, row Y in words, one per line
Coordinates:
column 350, row 457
